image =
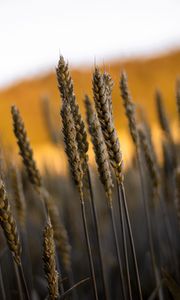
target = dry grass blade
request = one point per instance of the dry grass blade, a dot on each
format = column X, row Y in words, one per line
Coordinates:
column 25, row 148
column 19, row 199
column 50, row 261
column 129, row 107
column 9, row 225
column 66, row 89
column 107, row 126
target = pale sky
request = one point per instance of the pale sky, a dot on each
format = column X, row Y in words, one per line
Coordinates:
column 33, row 33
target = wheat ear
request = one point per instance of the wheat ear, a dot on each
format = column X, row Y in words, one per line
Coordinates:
column 9, row 225
column 107, row 126
column 65, row 85
column 25, row 148
column 19, row 199
column 129, row 106
column 60, row 233
column 49, row 259
column 109, row 87
column 101, row 154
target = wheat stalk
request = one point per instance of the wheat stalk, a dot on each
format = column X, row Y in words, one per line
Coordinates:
column 102, row 160
column 72, row 151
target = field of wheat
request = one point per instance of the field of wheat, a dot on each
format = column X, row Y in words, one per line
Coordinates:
column 103, row 231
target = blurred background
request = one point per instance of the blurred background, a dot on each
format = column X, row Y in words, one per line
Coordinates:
column 139, row 36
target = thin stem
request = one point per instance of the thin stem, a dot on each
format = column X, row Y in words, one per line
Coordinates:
column 122, row 191
column 3, row 294
column 23, row 280
column 97, row 234
column 69, row 291
column 88, row 247
column 124, row 240
column 149, row 226
column 117, row 251
column 19, row 283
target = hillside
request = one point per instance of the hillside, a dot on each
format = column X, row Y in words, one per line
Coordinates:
column 145, row 75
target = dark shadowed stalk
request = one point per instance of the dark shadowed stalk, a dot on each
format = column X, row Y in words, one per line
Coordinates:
column 71, row 148
column 89, row 114
column 130, row 113
column 102, row 271
column 102, row 161
column 152, row 166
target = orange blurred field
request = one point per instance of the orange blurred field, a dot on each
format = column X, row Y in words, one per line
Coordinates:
column 145, row 75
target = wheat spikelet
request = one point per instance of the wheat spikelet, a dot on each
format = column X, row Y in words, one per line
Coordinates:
column 150, row 160
column 178, row 96
column 101, row 154
column 106, row 122
column 109, row 87
column 66, row 89
column 60, row 233
column 25, row 148
column 71, row 146
column 129, row 107
column 50, row 261
column 9, row 225
column 19, row 196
